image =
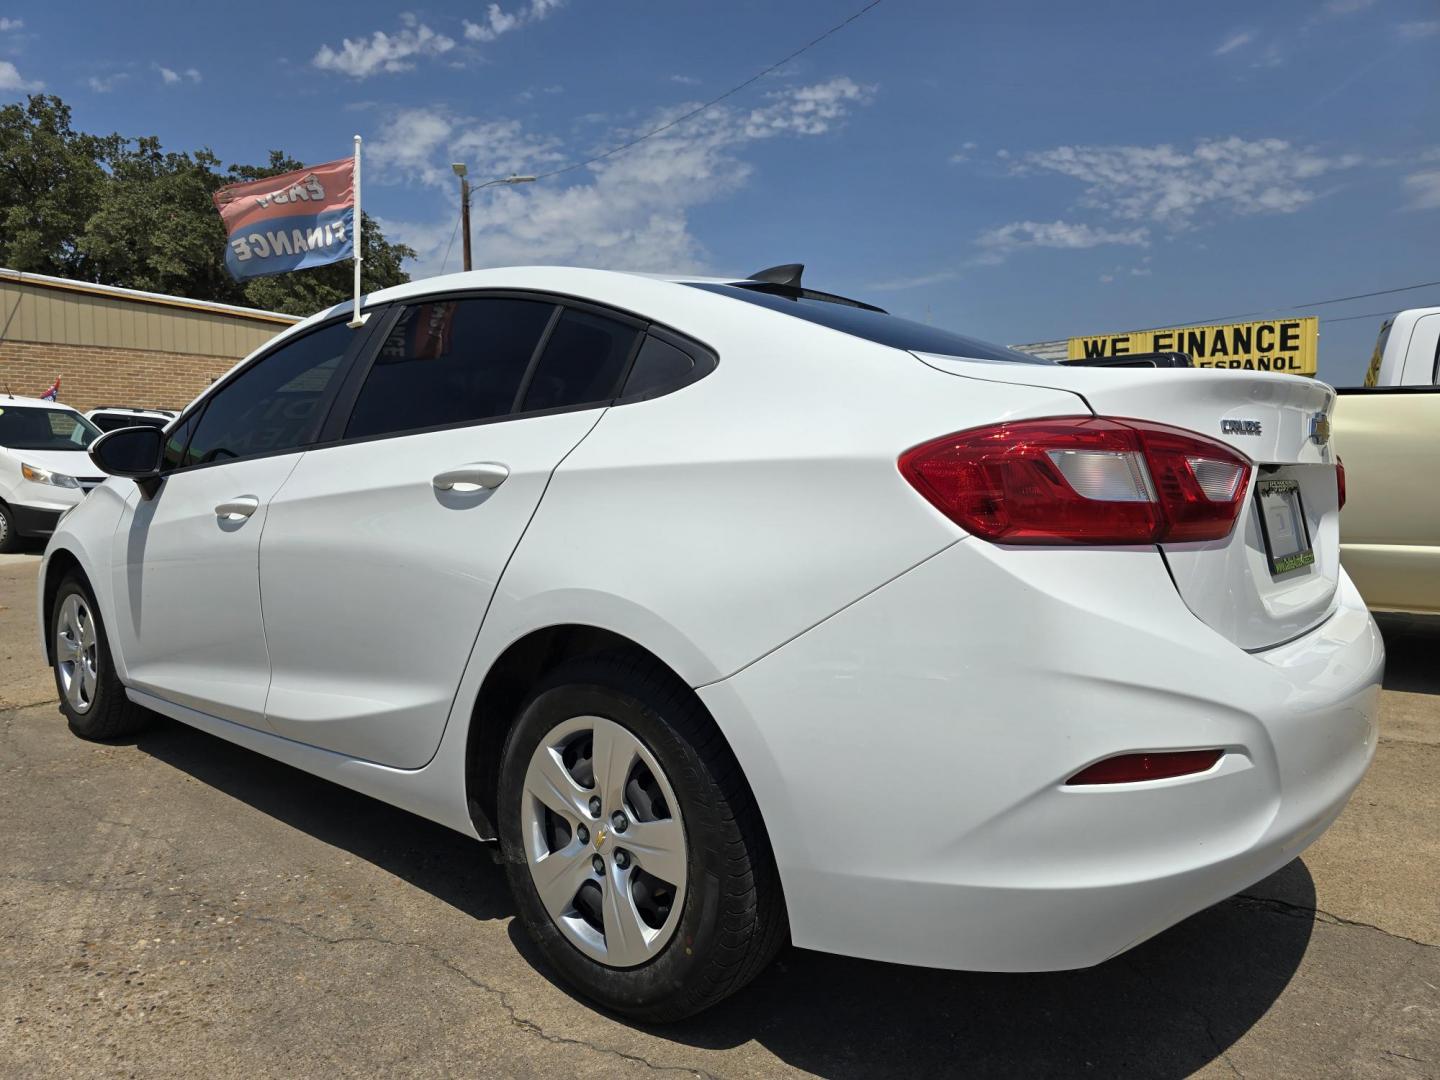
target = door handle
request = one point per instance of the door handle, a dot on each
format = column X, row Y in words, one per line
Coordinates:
column 483, row 474
column 236, row 509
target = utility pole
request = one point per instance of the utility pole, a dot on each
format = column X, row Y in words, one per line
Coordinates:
column 460, row 170
column 465, row 216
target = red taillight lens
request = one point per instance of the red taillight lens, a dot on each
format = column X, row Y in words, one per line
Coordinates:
column 1081, row 480
column 1129, row 768
column 1340, row 482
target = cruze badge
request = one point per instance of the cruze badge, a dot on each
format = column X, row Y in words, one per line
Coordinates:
column 1320, row 427
column 1240, row 427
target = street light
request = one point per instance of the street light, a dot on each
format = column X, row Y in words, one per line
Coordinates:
column 459, row 169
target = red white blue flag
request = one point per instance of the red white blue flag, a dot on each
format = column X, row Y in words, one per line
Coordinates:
column 289, row 222
column 53, row 393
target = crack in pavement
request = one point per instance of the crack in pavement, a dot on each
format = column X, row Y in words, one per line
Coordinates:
column 1284, row 907
column 502, row 996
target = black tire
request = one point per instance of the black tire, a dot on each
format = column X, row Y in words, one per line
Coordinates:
column 9, row 537
column 733, row 919
column 109, row 714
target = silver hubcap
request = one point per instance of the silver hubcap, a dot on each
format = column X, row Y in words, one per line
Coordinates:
column 612, row 874
column 76, row 657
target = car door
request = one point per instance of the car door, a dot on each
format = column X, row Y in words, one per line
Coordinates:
column 185, row 568
column 382, row 551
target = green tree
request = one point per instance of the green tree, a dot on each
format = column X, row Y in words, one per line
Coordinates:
column 122, row 211
column 51, row 177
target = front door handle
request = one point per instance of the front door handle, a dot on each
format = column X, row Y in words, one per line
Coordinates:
column 236, row 509
column 483, row 474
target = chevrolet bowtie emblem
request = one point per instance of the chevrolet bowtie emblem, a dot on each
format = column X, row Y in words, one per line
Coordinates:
column 1320, row 427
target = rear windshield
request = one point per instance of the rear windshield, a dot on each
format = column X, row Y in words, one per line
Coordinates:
column 26, row 428
column 876, row 326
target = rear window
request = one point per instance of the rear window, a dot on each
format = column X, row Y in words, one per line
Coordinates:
column 875, row 326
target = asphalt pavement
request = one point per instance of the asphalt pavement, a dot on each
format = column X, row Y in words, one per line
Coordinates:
column 173, row 905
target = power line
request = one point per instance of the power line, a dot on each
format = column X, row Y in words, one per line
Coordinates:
column 1297, row 307
column 1369, row 315
column 622, row 147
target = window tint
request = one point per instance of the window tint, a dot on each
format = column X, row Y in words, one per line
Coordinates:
column 449, row 362
column 29, row 428
column 582, row 363
column 659, row 367
column 274, row 404
column 174, row 455
column 876, row 326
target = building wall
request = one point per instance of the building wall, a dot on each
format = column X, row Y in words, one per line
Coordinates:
column 95, row 375
column 113, row 346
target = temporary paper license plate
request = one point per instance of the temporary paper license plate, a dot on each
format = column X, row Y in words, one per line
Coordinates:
column 1282, row 523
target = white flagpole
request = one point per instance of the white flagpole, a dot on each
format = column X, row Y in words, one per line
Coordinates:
column 356, row 237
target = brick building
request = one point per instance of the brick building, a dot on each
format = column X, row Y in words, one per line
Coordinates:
column 115, row 346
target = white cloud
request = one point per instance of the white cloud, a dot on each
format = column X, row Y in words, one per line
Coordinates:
column 193, row 74
column 630, row 211
column 168, row 77
column 11, row 79
column 105, row 84
column 1056, row 234
column 381, row 52
column 1424, row 188
column 1420, row 28
column 1172, row 187
column 900, row 284
column 11, row 24
column 1347, row 7
column 685, row 80
column 963, row 154
column 1234, row 41
column 497, row 21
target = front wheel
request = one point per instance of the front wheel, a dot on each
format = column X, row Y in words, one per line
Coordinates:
column 91, row 695
column 632, row 843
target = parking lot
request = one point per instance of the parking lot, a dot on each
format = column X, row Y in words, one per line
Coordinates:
column 175, row 905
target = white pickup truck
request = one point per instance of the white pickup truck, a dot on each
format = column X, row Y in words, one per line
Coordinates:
column 1388, row 434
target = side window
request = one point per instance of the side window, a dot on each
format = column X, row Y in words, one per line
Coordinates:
column 274, row 404
column 582, row 363
column 662, row 366
column 449, row 362
column 176, row 441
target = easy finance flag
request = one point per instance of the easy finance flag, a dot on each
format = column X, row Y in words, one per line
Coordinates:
column 289, row 222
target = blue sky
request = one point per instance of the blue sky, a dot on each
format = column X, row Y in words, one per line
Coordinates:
column 1019, row 171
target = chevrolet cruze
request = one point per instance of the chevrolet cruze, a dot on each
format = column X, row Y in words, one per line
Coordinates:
column 738, row 612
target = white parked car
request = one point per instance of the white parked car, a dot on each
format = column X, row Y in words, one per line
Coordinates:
column 736, row 611
column 114, row 417
column 44, row 466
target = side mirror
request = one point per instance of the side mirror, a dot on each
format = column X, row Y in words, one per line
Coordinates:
column 133, row 452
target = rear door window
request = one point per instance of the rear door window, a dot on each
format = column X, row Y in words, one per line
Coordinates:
column 449, row 362
column 584, row 358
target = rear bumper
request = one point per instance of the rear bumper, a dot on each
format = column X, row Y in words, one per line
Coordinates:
column 910, row 757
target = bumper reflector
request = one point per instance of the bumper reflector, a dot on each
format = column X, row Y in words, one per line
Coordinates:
column 1129, row 768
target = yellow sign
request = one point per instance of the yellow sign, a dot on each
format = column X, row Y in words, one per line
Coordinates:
column 1285, row 345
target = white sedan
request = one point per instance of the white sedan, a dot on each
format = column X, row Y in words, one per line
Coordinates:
column 738, row 612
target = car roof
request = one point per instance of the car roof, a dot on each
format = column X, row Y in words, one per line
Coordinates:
column 33, row 402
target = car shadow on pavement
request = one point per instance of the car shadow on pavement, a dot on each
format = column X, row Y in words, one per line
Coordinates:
column 1411, row 645
column 1164, row 1009
column 453, row 868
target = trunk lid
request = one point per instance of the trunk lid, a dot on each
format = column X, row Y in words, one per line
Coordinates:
column 1231, row 584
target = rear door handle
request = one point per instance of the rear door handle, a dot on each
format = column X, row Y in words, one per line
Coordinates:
column 483, row 474
column 241, row 507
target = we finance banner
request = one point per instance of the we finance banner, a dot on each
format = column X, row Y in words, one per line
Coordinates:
column 289, row 222
column 1283, row 345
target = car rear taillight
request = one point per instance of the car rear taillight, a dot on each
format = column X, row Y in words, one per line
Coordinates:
column 1340, row 482
column 1082, row 480
column 1131, row 768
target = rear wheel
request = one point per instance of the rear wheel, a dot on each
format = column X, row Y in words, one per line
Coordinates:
column 632, row 843
column 91, row 695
